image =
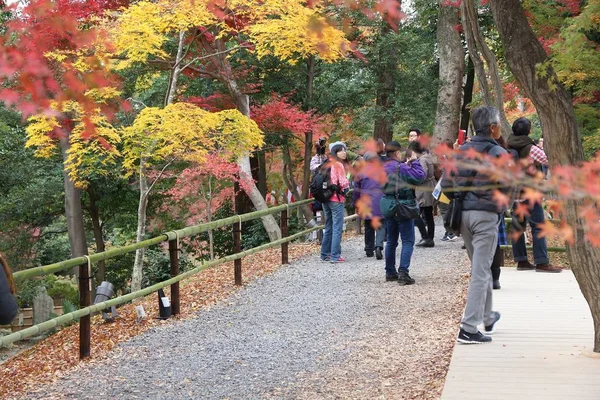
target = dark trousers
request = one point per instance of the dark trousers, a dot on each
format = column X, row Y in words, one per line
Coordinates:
column 540, row 250
column 426, row 224
column 374, row 237
column 497, row 263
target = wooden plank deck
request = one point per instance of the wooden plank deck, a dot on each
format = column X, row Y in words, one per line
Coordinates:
column 542, row 348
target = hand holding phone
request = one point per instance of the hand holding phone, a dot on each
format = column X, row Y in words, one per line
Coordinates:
column 462, row 135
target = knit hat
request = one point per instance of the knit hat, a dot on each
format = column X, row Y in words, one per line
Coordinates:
column 331, row 145
column 370, row 155
column 337, row 148
column 393, row 146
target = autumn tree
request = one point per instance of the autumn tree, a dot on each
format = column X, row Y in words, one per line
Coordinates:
column 201, row 189
column 49, row 65
column 209, row 31
column 160, row 137
column 286, row 126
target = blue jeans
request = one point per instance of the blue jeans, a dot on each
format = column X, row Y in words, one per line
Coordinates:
column 331, row 246
column 405, row 229
column 540, row 249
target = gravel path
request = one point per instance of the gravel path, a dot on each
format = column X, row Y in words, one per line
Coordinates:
column 310, row 330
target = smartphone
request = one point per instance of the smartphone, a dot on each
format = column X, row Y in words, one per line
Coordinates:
column 462, row 135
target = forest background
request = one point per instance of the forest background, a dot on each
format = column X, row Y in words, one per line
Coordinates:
column 125, row 119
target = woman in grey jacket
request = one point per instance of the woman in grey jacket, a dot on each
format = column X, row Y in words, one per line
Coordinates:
column 8, row 303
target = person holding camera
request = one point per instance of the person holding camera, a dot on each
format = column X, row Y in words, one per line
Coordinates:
column 320, row 157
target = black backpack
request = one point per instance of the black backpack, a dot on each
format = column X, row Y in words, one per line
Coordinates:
column 320, row 186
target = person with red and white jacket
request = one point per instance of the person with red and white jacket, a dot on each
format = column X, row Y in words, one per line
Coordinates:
column 331, row 249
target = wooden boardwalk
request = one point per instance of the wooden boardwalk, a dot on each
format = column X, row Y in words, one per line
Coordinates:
column 542, row 348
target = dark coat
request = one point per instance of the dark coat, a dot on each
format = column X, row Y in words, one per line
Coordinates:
column 482, row 200
column 8, row 303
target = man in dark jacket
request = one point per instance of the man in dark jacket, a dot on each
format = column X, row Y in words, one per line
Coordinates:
column 479, row 228
column 400, row 174
column 524, row 145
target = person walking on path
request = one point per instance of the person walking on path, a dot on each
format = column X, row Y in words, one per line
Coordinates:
column 331, row 248
column 520, row 142
column 425, row 222
column 479, row 228
column 400, row 174
column 368, row 189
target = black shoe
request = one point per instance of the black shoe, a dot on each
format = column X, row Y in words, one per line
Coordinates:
column 428, row 243
column 421, row 243
column 378, row 253
column 525, row 266
column 496, row 285
column 405, row 279
column 472, row 338
column 389, row 278
column 489, row 329
column 370, row 254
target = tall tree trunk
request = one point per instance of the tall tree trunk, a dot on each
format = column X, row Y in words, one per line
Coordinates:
column 218, row 56
column 452, row 68
column 524, row 56
column 493, row 95
column 261, row 172
column 73, row 209
column 465, row 113
column 243, row 106
column 98, row 236
column 386, row 86
column 138, row 264
column 176, row 70
column 308, row 136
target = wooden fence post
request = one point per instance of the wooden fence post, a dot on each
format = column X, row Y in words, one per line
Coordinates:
column 174, row 257
column 85, row 286
column 237, row 237
column 284, row 232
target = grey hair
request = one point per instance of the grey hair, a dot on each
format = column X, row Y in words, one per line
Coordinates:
column 483, row 117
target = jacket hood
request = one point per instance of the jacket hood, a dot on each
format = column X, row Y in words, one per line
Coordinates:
column 522, row 144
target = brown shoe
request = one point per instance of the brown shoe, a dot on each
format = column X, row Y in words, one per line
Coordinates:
column 547, row 268
column 525, row 266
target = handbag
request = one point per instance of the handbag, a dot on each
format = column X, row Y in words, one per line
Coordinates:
column 407, row 210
